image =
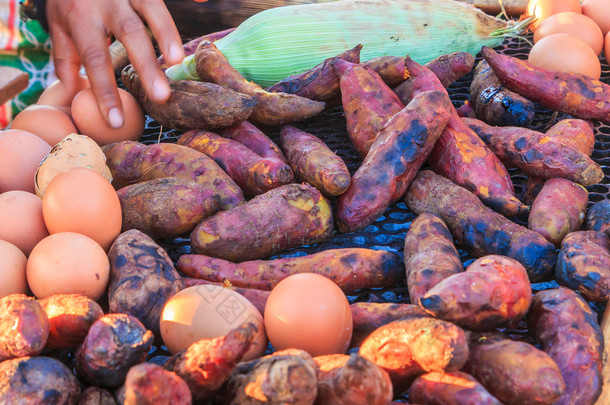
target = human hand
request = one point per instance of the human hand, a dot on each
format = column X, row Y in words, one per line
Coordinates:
column 80, row 30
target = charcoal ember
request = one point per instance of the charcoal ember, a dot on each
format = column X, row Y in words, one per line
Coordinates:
column 96, row 396
column 24, row 327
column 151, row 384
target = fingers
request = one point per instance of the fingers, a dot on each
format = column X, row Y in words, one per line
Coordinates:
column 66, row 59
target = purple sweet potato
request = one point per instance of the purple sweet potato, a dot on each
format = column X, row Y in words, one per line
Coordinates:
column 583, row 264
column 253, row 173
column 257, row 297
column 265, row 225
column 249, row 135
column 96, row 396
column 430, row 255
column 391, row 69
column 151, row 384
column 24, row 327
column 558, row 209
column 598, row 216
column 455, row 388
column 568, row 330
column 493, row 292
column 313, row 162
column 350, row 268
column 478, row 229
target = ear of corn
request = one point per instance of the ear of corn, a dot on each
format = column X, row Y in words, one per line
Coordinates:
column 283, row 41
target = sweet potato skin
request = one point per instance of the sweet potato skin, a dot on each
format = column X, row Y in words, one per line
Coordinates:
column 265, row 225
column 96, row 396
column 166, row 207
column 571, row 93
column 430, row 255
column 478, row 229
column 568, row 330
column 598, row 216
column 583, row 264
column 455, row 388
column 313, row 162
column 148, row 383
column 391, row 69
column 575, row 133
column 350, row 268
column 558, row 209
column 24, row 327
column 249, row 135
column 191, row 46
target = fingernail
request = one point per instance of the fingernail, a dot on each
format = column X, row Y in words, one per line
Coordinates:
column 160, row 90
column 176, row 53
column 115, row 118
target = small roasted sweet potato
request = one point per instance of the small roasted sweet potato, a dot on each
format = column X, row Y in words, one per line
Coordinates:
column 271, row 108
column 391, row 69
column 416, row 345
column 575, row 133
column 192, row 104
column 313, row 162
column 249, row 135
column 350, row 268
column 598, row 216
column 191, row 46
column 132, row 162
column 558, row 209
column 568, row 330
column 455, row 388
column 96, row 396
column 257, row 297
column 37, row 380
column 430, row 255
column 151, row 384
column 351, row 380
column 493, row 292
column 114, row 344
column 515, row 372
column 70, row 317
column 265, row 225
column 477, row 228
column 583, row 264
column 253, row 173
column 142, row 278
column 24, row 327
column 166, row 207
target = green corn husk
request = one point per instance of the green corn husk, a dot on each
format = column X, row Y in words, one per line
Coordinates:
column 283, row 41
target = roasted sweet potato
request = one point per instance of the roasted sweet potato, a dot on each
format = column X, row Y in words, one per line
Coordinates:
column 191, row 46
column 478, row 229
column 430, row 255
column 493, row 292
column 208, row 363
column 350, row 268
column 583, row 264
column 265, row 225
column 313, row 162
column 249, row 135
column 271, row 108
column 132, row 162
column 166, row 207
column 151, row 384
column 413, row 346
column 558, row 209
column 495, row 104
column 604, row 397
column 391, row 69
column 37, row 380
column 455, row 388
column 536, row 154
column 567, row 328
column 515, row 372
column 253, row 173
column 192, row 104
column 70, row 317
column 320, row 82
column 96, row 396
column 571, row 93
column 24, row 327
column 351, row 380
column 114, row 344
column 598, row 216
column 142, row 278
column 257, row 297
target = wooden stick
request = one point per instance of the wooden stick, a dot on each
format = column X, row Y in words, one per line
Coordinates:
column 12, row 82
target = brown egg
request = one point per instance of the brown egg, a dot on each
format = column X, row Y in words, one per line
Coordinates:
column 565, row 53
column 83, row 201
column 59, row 96
column 208, row 311
column 598, row 11
column 21, row 221
column 607, row 47
column 68, row 263
column 575, row 24
column 545, row 8
column 90, row 122
column 20, row 154
column 49, row 123
column 12, row 270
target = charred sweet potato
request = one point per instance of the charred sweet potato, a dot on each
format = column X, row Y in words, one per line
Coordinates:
column 313, row 162
column 351, row 380
column 583, row 264
column 257, row 297
column 249, row 135
column 430, row 255
column 478, row 229
column 253, row 173
column 265, row 225
column 568, row 330
column 598, row 216
column 455, row 388
column 142, row 278
column 350, row 268
column 70, row 317
column 166, row 207
column 24, row 327
column 151, row 384
column 96, row 396
column 192, row 104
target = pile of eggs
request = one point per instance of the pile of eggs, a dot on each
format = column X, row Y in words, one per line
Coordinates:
column 568, row 36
